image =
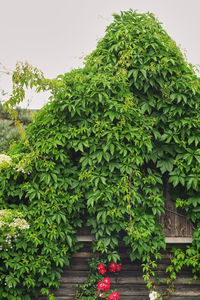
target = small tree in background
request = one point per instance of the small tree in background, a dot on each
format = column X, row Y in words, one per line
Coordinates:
column 8, row 132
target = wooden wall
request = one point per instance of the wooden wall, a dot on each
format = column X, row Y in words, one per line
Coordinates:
column 174, row 223
column 129, row 282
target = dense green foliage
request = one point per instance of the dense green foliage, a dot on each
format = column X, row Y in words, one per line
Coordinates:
column 115, row 136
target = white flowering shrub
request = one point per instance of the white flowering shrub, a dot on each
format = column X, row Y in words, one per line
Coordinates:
column 11, row 224
column 5, row 160
column 20, row 168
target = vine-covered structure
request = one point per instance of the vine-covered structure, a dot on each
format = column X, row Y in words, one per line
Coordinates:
column 115, row 138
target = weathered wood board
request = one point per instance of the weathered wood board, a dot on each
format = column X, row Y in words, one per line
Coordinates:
column 128, row 282
column 174, row 223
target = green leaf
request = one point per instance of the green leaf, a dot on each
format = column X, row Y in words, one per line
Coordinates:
column 69, row 240
column 165, row 165
column 174, row 180
column 135, row 74
column 99, row 156
column 106, row 155
column 144, row 73
column 112, row 149
column 104, row 217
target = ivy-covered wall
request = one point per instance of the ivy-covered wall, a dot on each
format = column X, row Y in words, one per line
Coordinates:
column 114, row 135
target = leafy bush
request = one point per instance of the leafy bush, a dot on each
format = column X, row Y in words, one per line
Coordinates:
column 114, row 137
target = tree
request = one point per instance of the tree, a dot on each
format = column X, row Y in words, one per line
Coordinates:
column 8, row 132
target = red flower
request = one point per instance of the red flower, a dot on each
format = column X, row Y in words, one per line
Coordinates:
column 102, row 271
column 116, row 294
column 101, row 268
column 101, row 286
column 112, row 267
column 106, row 280
column 107, row 287
column 111, row 297
column 118, row 268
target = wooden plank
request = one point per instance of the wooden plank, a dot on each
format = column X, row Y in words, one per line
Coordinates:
column 181, row 298
column 169, row 239
column 58, row 298
column 125, row 277
column 133, row 290
column 85, row 238
column 184, row 293
column 178, row 240
column 83, row 254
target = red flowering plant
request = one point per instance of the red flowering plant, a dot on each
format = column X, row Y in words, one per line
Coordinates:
column 104, row 286
column 98, row 284
column 114, row 296
column 113, row 267
column 101, row 269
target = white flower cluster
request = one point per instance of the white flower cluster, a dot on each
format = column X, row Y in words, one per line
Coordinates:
column 21, row 169
column 154, row 295
column 10, row 224
column 9, row 284
column 5, row 160
column 19, row 223
column 7, row 239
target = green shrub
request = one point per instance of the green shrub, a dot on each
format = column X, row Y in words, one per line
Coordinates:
column 115, row 135
column 23, row 115
column 8, row 134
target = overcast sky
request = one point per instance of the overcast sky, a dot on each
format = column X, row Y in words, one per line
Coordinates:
column 53, row 35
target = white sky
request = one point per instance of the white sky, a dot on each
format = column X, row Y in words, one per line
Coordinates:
column 53, row 34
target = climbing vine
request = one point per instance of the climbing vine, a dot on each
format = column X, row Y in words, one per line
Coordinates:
column 102, row 151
